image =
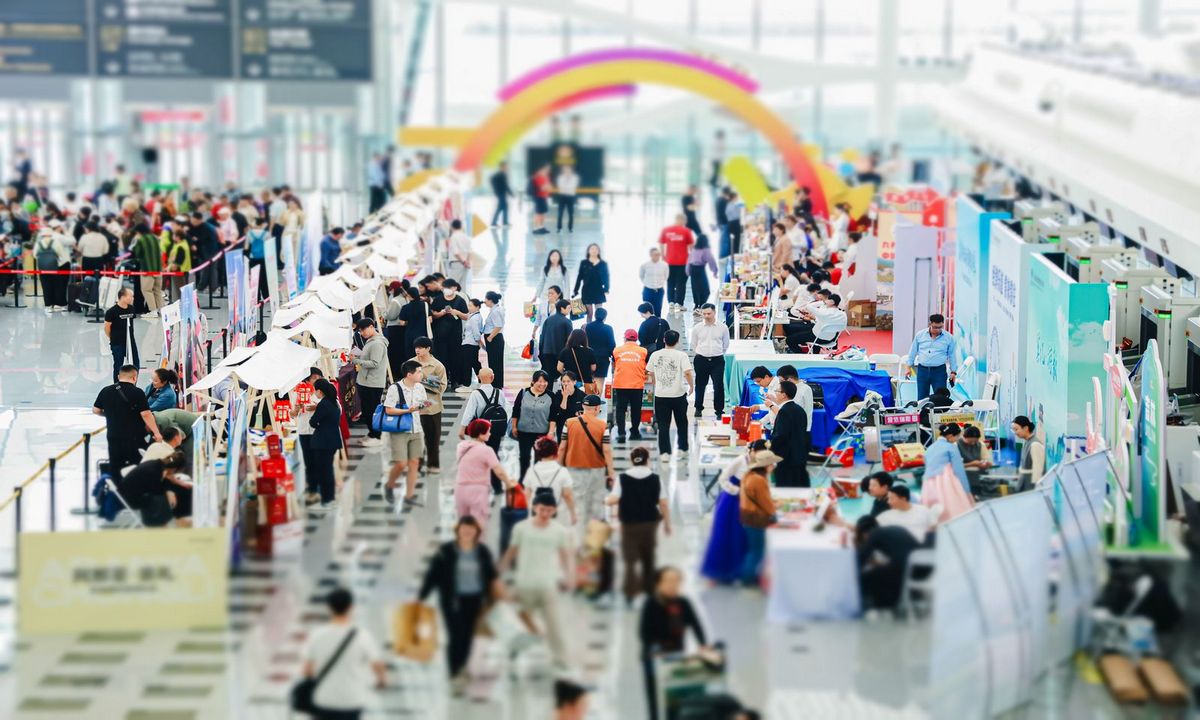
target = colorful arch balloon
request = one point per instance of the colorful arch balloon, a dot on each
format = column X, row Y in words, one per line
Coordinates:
column 500, row 149
column 531, row 94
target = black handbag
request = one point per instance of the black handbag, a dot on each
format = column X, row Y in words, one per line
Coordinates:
column 304, row 691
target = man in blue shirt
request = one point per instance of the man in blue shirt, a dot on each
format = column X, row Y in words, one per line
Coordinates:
column 331, row 247
column 931, row 356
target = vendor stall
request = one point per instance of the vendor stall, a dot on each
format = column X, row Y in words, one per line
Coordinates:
column 839, row 387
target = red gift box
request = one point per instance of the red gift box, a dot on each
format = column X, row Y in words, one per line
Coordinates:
column 274, row 508
column 273, row 467
column 276, row 486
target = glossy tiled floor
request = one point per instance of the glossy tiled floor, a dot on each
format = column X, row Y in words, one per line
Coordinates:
column 50, row 370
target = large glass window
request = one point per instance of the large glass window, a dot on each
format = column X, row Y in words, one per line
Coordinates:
column 472, row 61
column 788, row 29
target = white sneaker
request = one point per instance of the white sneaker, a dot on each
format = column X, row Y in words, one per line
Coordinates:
column 681, row 454
column 324, row 507
column 665, row 458
column 151, row 314
column 372, row 442
column 464, row 390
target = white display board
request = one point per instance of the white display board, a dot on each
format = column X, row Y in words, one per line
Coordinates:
column 916, row 283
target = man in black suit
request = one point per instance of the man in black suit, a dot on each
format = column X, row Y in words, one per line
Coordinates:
column 652, row 329
column 790, row 440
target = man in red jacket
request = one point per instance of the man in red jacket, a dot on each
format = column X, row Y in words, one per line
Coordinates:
column 676, row 241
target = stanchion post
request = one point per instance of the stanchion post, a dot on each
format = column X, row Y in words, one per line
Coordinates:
column 224, row 344
column 210, row 355
column 87, row 477
column 261, row 310
column 17, row 531
column 17, row 292
column 99, row 318
column 53, row 504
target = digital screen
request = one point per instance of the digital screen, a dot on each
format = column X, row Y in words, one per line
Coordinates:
column 42, row 37
column 164, row 38
column 305, row 39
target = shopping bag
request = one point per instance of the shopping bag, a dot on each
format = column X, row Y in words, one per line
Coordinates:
column 414, row 631
column 527, row 351
column 529, row 309
column 578, row 309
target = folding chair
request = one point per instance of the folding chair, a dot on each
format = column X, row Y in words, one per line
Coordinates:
column 921, row 559
column 132, row 518
column 819, row 346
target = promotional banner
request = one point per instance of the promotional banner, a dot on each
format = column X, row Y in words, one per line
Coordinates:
column 206, row 501
column 238, row 425
column 193, row 336
column 290, row 277
column 1150, row 492
column 1064, row 351
column 1008, row 299
column 172, row 323
column 916, row 274
column 972, row 245
column 124, row 580
column 271, row 264
column 239, row 299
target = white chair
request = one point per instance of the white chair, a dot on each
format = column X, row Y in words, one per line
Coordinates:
column 888, row 362
column 922, row 559
column 128, row 517
column 991, row 387
column 826, row 347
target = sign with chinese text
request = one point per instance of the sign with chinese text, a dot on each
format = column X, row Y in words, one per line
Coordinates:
column 146, row 579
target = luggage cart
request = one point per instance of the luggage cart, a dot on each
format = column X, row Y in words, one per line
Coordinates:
column 679, row 677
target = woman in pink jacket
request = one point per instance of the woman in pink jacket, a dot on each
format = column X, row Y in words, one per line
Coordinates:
column 476, row 463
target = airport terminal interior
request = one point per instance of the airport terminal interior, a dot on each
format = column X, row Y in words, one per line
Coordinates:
column 682, row 360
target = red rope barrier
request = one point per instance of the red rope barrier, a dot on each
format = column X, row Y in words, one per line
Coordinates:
column 89, row 272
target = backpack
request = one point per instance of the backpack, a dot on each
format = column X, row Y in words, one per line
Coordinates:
column 47, row 256
column 493, row 411
column 543, row 490
column 107, row 503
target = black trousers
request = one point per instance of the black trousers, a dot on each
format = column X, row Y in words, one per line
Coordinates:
column 493, row 442
column 665, row 410
column 791, row 475
column 466, row 363
column 321, row 472
column 676, row 284
column 118, row 356
column 628, row 400
column 710, row 368
column 735, row 237
column 54, row 288
column 700, row 288
column 310, row 485
column 495, row 357
column 124, row 451
column 337, row 714
column 566, row 204
column 461, row 618
column 395, row 350
column 525, row 442
column 549, row 363
column 431, row 428
column 370, row 400
column 444, row 345
column 651, row 694
column 501, row 209
column 378, row 198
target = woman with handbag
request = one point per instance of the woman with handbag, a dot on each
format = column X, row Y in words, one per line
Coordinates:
column 577, row 358
column 554, row 275
column 476, row 463
column 334, row 659
column 593, row 279
column 326, row 441
column 531, row 417
column 463, row 571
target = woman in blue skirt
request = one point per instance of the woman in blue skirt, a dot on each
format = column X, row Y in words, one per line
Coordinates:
column 727, row 541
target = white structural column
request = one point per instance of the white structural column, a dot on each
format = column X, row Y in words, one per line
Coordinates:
column 1150, row 17
column 886, row 77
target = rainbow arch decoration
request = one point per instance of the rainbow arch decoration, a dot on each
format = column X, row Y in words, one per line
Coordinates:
column 586, row 76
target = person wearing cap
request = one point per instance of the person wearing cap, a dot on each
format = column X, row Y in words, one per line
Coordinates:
column 587, row 454
column 629, row 382
column 541, row 549
column 570, row 700
column 757, row 512
column 371, row 363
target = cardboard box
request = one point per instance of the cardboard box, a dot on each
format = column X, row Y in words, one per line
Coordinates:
column 862, row 313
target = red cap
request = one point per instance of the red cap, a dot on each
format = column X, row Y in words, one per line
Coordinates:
column 631, row 335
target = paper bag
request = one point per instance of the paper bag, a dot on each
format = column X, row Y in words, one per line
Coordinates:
column 414, row 631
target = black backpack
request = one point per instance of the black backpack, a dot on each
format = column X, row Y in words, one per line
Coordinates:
column 493, row 411
column 543, row 490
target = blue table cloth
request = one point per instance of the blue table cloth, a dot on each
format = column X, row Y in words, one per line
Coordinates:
column 839, row 388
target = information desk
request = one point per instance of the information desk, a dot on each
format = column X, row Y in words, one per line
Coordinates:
column 812, row 575
column 738, row 365
column 839, row 387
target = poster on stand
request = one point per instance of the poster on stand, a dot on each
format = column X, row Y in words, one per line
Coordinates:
column 235, row 271
column 238, row 426
column 1150, row 496
column 1008, row 299
column 971, row 283
column 193, row 336
column 206, row 501
column 289, row 267
column 1064, row 350
column 271, row 264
